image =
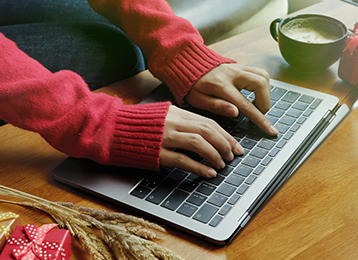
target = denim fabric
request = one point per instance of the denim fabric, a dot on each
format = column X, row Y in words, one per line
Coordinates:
column 69, row 34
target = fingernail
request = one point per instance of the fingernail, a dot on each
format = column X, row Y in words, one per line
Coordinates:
column 230, row 157
column 273, row 130
column 239, row 149
column 211, row 173
column 221, row 164
column 232, row 111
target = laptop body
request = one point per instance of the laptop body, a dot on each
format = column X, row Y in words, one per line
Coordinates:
column 218, row 209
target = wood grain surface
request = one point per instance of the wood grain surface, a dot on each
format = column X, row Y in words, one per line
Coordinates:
column 313, row 216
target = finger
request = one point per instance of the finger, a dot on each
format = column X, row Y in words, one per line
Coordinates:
column 257, row 71
column 249, row 110
column 254, row 115
column 259, row 85
column 197, row 144
column 213, row 104
column 212, row 133
column 174, row 159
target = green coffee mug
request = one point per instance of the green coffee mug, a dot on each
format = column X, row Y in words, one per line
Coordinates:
column 309, row 42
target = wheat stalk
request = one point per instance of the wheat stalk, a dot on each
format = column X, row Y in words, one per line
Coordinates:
column 122, row 236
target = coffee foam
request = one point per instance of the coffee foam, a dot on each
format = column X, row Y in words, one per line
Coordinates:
column 306, row 30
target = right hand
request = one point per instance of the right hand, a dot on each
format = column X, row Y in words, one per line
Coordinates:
column 218, row 91
column 189, row 131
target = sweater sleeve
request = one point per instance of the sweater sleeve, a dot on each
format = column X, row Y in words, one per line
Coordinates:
column 175, row 50
column 61, row 108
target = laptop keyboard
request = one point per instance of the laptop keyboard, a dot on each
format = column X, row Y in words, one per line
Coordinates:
column 209, row 200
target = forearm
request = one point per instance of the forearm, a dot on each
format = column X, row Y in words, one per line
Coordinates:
column 175, row 50
column 60, row 107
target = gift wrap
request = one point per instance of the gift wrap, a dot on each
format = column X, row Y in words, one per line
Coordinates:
column 348, row 67
column 30, row 242
column 8, row 222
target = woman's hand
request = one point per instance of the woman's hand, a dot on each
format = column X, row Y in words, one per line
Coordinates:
column 189, row 131
column 218, row 91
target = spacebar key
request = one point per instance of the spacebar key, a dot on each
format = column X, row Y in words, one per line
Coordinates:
column 162, row 191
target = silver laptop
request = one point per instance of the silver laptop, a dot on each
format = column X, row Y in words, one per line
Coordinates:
column 217, row 209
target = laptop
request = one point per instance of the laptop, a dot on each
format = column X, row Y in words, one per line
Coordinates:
column 218, row 209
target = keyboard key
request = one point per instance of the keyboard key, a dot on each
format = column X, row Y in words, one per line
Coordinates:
column 245, row 92
column 301, row 120
column 243, row 170
column 256, row 134
column 272, row 119
column 300, row 106
column 156, row 178
column 226, row 189
column 307, row 113
column 277, row 93
column 206, row 189
column 228, row 124
column 276, row 112
column 215, row 221
column 234, row 198
column 295, row 127
column 224, row 210
column 226, row 171
column 177, row 175
column 175, row 199
column 188, row 185
column 266, row 144
column 259, row 170
column 288, row 136
column 282, row 128
column 244, row 124
column 276, row 138
column 250, row 180
column 145, row 181
column 294, row 113
column 196, row 199
column 187, row 209
column 162, row 191
column 315, row 103
column 150, row 183
column 216, row 180
column 235, row 162
column 217, row 199
column 205, row 213
column 235, row 180
column 252, row 96
column 266, row 161
column 291, row 97
column 238, row 132
column 306, row 99
column 259, row 153
column 251, row 161
column 248, row 143
column 194, row 177
column 241, row 190
column 281, row 144
column 287, row 120
column 274, row 152
column 140, row 192
column 283, row 105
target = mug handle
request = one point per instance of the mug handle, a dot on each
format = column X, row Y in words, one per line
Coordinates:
column 273, row 28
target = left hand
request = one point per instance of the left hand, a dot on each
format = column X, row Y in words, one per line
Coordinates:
column 218, row 91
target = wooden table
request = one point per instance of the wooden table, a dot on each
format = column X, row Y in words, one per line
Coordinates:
column 313, row 216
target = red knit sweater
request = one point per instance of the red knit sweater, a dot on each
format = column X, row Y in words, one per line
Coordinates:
column 83, row 124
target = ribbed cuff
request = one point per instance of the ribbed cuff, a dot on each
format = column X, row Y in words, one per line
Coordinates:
column 138, row 135
column 181, row 72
